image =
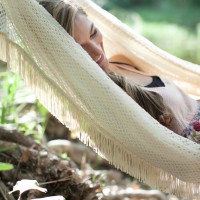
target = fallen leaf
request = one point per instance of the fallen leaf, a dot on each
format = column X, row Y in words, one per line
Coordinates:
column 25, row 185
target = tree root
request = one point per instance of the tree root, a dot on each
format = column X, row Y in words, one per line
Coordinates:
column 36, row 162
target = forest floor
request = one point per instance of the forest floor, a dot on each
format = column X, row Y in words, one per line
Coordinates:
column 66, row 167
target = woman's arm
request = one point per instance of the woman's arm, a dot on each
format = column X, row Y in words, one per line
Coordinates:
column 122, row 59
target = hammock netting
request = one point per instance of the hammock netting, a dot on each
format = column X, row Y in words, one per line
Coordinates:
column 75, row 90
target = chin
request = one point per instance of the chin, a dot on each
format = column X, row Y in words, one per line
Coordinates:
column 105, row 62
column 105, row 67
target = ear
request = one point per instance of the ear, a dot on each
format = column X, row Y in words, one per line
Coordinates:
column 161, row 119
column 165, row 120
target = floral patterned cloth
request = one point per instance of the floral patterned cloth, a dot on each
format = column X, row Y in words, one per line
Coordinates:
column 192, row 132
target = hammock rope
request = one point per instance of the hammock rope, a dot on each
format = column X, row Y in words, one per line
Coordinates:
column 81, row 96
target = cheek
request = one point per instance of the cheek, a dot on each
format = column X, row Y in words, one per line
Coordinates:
column 88, row 48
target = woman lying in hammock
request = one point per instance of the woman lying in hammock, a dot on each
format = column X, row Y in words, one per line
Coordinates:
column 161, row 98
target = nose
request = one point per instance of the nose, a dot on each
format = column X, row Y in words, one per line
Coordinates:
column 95, row 50
column 97, row 45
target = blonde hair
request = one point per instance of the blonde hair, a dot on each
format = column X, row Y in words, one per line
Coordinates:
column 150, row 101
column 63, row 11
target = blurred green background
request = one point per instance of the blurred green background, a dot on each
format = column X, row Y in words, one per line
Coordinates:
column 173, row 25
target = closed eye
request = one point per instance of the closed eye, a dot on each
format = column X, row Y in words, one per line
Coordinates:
column 93, row 34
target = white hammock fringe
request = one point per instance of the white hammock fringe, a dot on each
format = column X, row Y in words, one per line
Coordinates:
column 57, row 104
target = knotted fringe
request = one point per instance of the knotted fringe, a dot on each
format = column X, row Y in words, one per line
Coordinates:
column 51, row 96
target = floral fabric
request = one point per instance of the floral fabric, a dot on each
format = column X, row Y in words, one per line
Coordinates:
column 192, row 132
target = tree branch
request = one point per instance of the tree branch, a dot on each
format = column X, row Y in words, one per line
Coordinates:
column 15, row 137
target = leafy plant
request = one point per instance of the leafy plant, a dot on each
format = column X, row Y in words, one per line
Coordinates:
column 6, row 166
column 9, row 86
column 19, row 107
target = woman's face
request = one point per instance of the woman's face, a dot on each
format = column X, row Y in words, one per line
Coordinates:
column 90, row 38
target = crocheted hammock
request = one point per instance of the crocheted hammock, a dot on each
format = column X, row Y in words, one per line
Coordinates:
column 74, row 89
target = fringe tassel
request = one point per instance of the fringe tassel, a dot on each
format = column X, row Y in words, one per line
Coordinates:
column 3, row 47
column 51, row 96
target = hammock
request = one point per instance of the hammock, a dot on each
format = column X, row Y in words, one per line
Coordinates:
column 81, row 96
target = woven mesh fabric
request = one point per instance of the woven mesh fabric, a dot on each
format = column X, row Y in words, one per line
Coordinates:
column 74, row 89
column 3, row 21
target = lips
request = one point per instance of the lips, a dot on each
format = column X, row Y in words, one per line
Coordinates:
column 100, row 59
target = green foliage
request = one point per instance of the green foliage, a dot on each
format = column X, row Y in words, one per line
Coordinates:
column 172, row 38
column 19, row 108
column 158, row 3
column 7, row 148
column 187, row 17
column 124, row 3
column 64, row 156
column 9, row 85
column 5, row 166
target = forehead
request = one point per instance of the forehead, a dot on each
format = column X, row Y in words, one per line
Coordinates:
column 82, row 28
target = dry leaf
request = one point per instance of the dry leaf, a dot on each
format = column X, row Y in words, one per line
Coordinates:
column 25, row 185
